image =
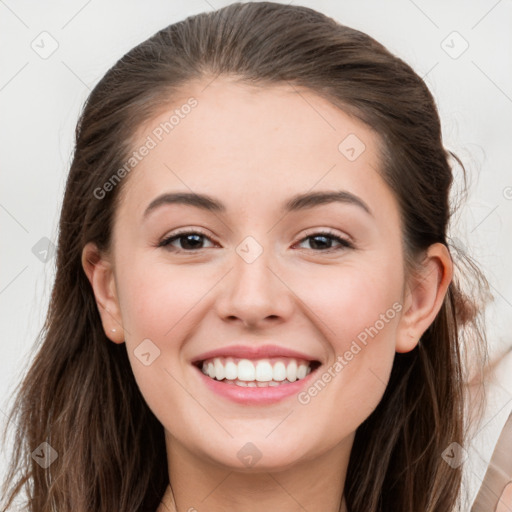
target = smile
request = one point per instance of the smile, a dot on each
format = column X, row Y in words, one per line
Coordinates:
column 265, row 372
column 256, row 381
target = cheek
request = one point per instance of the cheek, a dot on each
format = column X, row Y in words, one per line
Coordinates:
column 355, row 303
column 360, row 309
column 157, row 306
column 156, row 298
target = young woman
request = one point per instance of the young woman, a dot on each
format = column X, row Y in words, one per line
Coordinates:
column 255, row 306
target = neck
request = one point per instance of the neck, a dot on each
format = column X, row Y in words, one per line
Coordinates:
column 168, row 504
column 196, row 484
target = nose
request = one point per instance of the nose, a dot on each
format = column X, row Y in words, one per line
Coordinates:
column 255, row 294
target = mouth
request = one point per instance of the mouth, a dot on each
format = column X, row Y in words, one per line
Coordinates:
column 265, row 372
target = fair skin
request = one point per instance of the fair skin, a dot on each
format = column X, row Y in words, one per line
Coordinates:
column 253, row 149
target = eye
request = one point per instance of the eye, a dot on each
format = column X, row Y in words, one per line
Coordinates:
column 190, row 241
column 322, row 242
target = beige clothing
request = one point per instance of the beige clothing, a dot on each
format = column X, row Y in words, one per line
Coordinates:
column 495, row 494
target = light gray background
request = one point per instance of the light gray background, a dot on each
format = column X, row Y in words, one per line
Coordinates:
column 40, row 99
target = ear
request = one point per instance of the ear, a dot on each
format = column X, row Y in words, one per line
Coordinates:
column 100, row 273
column 424, row 295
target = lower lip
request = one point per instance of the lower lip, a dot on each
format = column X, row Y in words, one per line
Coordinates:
column 256, row 395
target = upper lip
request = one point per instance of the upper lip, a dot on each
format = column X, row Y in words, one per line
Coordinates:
column 252, row 352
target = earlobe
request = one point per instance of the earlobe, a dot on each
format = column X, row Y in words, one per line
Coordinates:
column 100, row 274
column 424, row 296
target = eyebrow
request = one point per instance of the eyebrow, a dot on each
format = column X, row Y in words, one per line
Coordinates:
column 298, row 202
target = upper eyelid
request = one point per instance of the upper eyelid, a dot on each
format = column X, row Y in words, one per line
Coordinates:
column 327, row 231
column 185, row 231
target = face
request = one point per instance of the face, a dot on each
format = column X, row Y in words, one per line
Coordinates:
column 322, row 280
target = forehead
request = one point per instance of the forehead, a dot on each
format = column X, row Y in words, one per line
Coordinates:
column 243, row 141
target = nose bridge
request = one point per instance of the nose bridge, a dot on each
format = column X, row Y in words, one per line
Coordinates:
column 254, row 292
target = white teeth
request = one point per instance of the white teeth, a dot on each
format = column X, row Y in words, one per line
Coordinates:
column 219, row 369
column 231, row 370
column 280, row 371
column 291, row 371
column 246, row 370
column 301, row 371
column 264, row 371
column 255, row 373
column 253, row 384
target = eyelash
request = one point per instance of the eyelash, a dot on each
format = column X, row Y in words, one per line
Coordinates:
column 344, row 243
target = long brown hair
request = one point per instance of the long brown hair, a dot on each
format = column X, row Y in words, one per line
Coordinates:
column 79, row 394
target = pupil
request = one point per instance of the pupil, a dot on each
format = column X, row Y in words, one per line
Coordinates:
column 324, row 238
column 187, row 239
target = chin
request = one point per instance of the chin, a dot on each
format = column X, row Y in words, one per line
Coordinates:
column 259, row 455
